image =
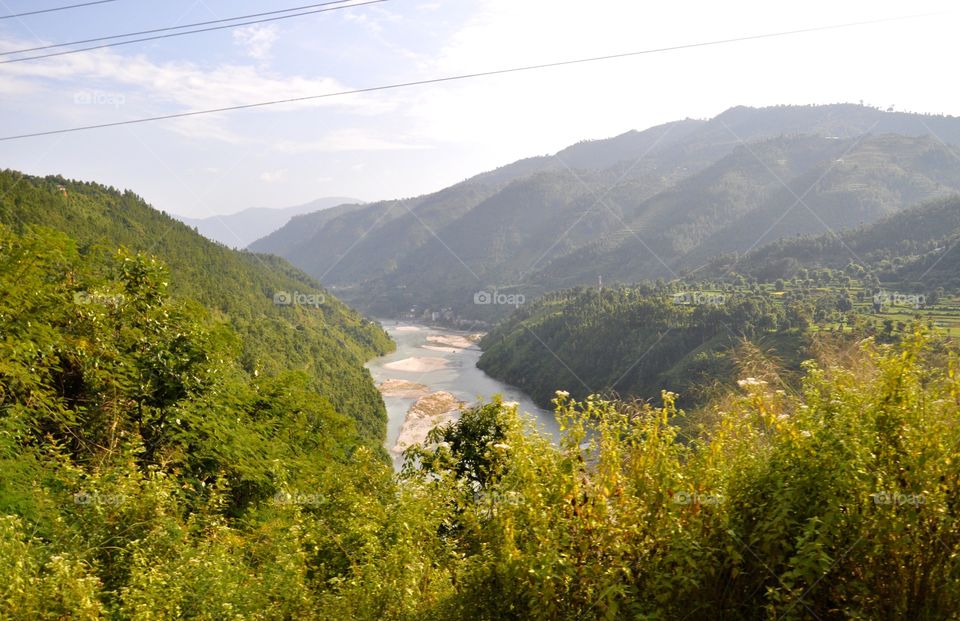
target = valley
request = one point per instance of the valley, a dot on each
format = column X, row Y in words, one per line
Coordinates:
column 458, row 376
column 373, row 310
column 732, row 347
column 655, row 204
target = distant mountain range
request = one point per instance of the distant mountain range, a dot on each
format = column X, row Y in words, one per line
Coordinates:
column 659, row 203
column 239, row 230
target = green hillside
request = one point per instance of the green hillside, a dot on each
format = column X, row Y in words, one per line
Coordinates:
column 637, row 341
column 911, row 249
column 642, row 205
column 153, row 468
column 750, row 198
column 329, row 341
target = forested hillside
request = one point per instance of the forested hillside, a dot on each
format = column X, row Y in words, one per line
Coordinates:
column 685, row 334
column 637, row 341
column 750, row 198
column 152, row 468
column 648, row 204
column 144, row 474
column 327, row 341
column 913, row 249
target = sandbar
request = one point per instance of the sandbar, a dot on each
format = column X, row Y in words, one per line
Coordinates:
column 429, row 411
column 402, row 388
column 417, row 365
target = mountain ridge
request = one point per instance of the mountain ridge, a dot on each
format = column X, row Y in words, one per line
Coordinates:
column 637, row 205
column 240, row 229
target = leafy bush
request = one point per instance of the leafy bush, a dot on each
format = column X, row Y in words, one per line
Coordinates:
column 145, row 473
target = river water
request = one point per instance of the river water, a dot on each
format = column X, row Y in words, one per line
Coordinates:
column 461, row 377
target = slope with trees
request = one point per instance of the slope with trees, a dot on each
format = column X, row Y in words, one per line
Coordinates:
column 641, row 205
column 145, row 474
column 328, row 341
column 912, row 249
column 636, row 341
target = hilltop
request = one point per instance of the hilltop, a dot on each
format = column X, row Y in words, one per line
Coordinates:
column 657, row 203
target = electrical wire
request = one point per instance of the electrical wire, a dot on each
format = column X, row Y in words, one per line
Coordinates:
column 465, row 76
column 180, row 34
column 181, row 27
column 59, row 8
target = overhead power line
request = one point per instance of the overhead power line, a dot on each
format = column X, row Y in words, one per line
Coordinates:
column 59, row 8
column 180, row 34
column 465, row 76
column 168, row 28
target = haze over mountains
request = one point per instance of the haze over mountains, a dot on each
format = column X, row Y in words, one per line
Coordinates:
column 646, row 204
column 238, row 230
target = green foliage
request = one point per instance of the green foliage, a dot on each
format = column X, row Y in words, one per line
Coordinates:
column 838, row 502
column 630, row 341
column 148, row 471
column 907, row 249
column 468, row 443
column 38, row 585
column 145, row 474
column 329, row 342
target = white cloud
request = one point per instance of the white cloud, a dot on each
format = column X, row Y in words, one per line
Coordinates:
column 256, row 40
column 273, row 176
column 155, row 88
column 372, row 19
column 372, row 25
column 348, row 139
column 462, row 127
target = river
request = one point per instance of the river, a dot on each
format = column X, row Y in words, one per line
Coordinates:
column 460, row 376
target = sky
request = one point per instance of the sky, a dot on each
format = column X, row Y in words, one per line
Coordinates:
column 409, row 141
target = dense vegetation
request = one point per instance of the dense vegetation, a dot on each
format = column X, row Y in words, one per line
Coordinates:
column 327, row 341
column 145, row 474
column 913, row 249
column 173, row 444
column 835, row 502
column 636, row 341
column 643, row 205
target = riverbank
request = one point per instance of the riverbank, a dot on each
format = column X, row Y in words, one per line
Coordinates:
column 404, row 377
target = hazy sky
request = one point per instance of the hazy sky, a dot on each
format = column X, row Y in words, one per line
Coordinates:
column 410, row 141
